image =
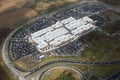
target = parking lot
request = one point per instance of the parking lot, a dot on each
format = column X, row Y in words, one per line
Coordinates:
column 21, row 47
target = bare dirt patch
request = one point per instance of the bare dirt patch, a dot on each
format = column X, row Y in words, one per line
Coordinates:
column 48, row 5
column 6, row 5
column 16, row 17
column 26, row 62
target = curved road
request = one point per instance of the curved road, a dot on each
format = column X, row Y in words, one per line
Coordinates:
column 73, row 62
column 72, row 67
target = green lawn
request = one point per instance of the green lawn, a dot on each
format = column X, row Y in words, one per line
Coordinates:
column 112, row 27
column 103, row 48
column 105, row 71
column 66, row 76
column 94, row 78
column 112, row 2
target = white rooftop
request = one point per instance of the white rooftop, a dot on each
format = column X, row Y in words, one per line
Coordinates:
column 61, row 33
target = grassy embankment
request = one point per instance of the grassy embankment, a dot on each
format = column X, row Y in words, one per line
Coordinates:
column 102, row 71
column 112, row 2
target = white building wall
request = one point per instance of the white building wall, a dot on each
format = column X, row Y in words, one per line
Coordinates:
column 60, row 33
